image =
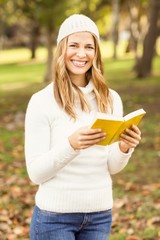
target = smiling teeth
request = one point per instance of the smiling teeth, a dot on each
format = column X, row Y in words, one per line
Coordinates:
column 79, row 64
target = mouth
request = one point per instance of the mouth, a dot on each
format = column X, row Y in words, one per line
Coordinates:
column 79, row 63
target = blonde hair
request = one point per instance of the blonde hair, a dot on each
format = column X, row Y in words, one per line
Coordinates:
column 66, row 91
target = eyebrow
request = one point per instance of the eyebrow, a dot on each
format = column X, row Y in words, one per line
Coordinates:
column 88, row 44
column 73, row 42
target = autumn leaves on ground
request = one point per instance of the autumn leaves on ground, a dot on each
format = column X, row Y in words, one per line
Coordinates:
column 136, row 212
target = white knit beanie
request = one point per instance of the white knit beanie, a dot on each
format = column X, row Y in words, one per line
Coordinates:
column 77, row 23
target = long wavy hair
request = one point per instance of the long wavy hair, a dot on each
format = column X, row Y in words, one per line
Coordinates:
column 66, row 91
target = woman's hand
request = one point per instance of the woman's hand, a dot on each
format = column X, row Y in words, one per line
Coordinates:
column 85, row 137
column 130, row 139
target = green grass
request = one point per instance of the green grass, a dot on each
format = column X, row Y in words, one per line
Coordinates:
column 136, row 187
column 15, row 76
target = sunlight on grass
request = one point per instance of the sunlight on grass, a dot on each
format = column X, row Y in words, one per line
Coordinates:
column 14, row 55
column 107, row 50
column 13, row 86
column 18, row 70
column 22, row 55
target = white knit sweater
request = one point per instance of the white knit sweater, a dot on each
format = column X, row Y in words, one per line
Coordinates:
column 69, row 180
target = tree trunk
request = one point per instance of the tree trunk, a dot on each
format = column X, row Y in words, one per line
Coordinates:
column 143, row 66
column 48, row 74
column 35, row 32
column 133, row 28
column 115, row 27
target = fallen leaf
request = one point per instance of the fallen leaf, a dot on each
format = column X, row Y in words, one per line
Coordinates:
column 153, row 220
column 133, row 238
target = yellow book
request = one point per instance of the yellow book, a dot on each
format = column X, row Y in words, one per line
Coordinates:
column 114, row 126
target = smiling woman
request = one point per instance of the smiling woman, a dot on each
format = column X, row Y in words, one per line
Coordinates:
column 74, row 199
column 79, row 56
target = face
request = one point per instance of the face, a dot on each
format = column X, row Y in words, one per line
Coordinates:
column 79, row 56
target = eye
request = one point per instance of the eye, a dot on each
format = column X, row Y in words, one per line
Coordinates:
column 72, row 45
column 90, row 47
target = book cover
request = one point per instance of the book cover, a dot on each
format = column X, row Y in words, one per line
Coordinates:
column 114, row 126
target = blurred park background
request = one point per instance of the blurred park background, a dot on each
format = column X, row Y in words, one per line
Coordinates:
column 130, row 44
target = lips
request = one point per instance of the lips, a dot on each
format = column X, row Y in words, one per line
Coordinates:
column 79, row 63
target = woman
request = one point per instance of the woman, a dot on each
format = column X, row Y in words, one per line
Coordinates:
column 74, row 198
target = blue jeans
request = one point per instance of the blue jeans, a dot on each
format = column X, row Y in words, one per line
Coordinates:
column 47, row 225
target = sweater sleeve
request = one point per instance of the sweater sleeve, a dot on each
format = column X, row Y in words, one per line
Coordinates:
column 42, row 160
column 117, row 160
column 117, row 103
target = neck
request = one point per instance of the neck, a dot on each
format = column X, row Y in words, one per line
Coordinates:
column 79, row 81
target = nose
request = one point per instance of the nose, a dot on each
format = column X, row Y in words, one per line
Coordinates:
column 81, row 53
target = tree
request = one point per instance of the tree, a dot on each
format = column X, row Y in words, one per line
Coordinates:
column 18, row 16
column 50, row 13
column 6, row 21
column 2, row 4
column 134, row 21
column 42, row 15
column 143, row 65
column 115, row 26
column 27, row 10
column 34, row 38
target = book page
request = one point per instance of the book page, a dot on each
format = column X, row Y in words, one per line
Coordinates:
column 134, row 114
column 108, row 126
column 127, row 124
